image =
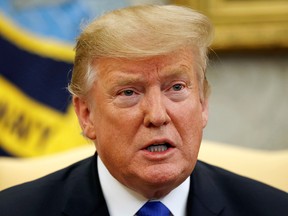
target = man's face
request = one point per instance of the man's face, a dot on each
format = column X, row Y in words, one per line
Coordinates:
column 146, row 119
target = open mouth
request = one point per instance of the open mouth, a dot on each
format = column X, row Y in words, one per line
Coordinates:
column 158, row 147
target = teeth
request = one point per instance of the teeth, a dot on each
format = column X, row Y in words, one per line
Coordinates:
column 157, row 148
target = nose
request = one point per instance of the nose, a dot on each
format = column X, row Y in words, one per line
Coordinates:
column 155, row 109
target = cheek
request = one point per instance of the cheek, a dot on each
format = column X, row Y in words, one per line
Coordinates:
column 188, row 114
column 189, row 124
column 114, row 133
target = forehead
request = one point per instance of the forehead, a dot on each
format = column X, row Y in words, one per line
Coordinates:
column 175, row 63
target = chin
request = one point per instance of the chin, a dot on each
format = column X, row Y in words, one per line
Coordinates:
column 160, row 186
column 166, row 177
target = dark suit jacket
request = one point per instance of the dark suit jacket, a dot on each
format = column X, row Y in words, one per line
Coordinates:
column 76, row 191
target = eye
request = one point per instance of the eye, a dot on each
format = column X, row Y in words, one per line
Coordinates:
column 127, row 97
column 177, row 91
column 127, row 92
column 177, row 87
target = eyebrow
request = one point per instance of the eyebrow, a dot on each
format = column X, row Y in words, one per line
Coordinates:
column 123, row 79
column 179, row 72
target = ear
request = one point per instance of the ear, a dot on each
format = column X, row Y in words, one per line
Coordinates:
column 84, row 115
column 205, row 111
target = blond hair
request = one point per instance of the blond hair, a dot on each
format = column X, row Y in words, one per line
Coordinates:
column 141, row 32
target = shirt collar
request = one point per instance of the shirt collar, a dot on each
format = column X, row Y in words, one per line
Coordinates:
column 124, row 201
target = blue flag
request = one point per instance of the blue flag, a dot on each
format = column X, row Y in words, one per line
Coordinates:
column 36, row 59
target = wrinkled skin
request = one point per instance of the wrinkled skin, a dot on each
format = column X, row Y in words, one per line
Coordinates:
column 137, row 103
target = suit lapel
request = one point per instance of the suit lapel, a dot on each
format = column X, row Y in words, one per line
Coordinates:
column 204, row 196
column 84, row 194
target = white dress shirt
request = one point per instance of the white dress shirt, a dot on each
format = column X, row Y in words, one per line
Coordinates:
column 121, row 200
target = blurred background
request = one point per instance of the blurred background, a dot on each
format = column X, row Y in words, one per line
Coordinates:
column 248, row 72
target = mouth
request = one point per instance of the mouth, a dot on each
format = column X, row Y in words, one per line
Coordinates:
column 160, row 147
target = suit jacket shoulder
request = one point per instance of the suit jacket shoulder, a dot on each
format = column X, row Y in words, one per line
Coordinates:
column 74, row 190
column 215, row 191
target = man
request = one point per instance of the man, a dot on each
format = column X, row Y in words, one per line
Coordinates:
column 141, row 95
